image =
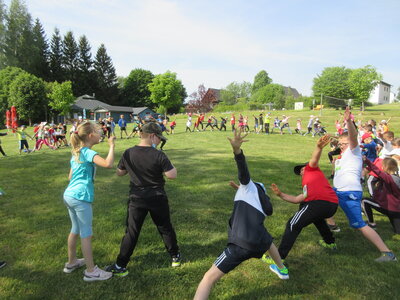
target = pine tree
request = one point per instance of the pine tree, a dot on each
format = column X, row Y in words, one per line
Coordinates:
column 87, row 75
column 70, row 59
column 40, row 52
column 106, row 77
column 55, row 58
column 19, row 36
column 3, row 62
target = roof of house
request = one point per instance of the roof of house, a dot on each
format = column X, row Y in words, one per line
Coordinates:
column 291, row 91
column 90, row 103
column 215, row 92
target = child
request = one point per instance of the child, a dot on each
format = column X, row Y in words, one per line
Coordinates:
column 317, row 203
column 349, row 190
column 122, row 125
column 298, row 127
column 309, row 125
column 247, row 236
column 189, row 123
column 255, row 124
column 233, row 122
column 277, row 123
column 386, row 197
column 1, row 148
column 146, row 167
column 267, row 122
column 78, row 197
column 223, row 122
column 285, row 124
column 23, row 143
column 172, row 126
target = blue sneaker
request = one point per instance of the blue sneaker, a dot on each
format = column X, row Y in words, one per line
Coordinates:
column 282, row 273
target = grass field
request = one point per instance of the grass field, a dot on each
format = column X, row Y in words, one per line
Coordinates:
column 34, row 225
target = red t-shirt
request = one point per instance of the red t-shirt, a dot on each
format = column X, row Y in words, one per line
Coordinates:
column 378, row 163
column 316, row 186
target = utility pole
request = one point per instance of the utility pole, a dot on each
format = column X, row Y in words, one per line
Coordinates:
column 320, row 110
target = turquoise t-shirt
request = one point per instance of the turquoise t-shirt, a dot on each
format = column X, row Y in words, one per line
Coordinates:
column 81, row 185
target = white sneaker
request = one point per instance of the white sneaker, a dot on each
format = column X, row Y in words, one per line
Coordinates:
column 80, row 262
column 97, row 274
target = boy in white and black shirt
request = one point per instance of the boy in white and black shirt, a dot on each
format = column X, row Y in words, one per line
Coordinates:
column 247, row 236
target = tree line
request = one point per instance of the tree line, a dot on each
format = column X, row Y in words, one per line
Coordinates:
column 63, row 67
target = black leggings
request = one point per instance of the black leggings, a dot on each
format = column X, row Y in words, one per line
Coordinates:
column 2, row 151
column 222, row 126
column 309, row 212
column 332, row 153
column 134, row 221
column 394, row 217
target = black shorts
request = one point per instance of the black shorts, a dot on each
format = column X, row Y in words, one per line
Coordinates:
column 22, row 144
column 123, row 128
column 233, row 256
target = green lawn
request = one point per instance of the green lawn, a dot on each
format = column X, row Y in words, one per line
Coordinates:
column 34, row 225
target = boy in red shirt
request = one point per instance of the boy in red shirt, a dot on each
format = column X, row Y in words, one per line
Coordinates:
column 317, row 203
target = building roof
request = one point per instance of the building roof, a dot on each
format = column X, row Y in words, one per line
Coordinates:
column 90, row 103
column 291, row 91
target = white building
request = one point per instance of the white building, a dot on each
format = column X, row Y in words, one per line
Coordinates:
column 381, row 94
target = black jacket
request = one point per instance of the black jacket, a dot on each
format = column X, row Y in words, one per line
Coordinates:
column 251, row 205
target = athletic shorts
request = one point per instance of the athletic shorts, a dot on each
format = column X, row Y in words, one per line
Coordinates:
column 123, row 128
column 233, row 256
column 22, row 144
column 350, row 202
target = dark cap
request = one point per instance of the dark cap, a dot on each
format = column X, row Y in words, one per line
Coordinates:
column 152, row 127
column 298, row 168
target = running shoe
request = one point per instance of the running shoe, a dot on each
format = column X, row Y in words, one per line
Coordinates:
column 97, row 274
column 176, row 260
column 117, row 271
column 2, row 264
column 331, row 246
column 386, row 257
column 80, row 262
column 282, row 273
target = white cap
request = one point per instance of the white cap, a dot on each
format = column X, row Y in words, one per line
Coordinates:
column 383, row 121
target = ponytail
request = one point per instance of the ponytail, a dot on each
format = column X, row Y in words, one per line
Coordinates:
column 79, row 137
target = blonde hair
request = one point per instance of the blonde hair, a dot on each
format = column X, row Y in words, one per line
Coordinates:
column 80, row 136
column 389, row 165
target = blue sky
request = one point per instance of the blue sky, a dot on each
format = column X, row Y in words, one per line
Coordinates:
column 217, row 42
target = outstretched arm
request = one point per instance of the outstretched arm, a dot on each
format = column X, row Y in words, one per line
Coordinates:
column 351, row 129
column 289, row 198
column 236, row 143
column 321, row 143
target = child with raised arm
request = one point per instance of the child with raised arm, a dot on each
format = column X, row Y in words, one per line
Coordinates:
column 247, row 236
column 349, row 190
column 317, row 203
column 386, row 198
column 79, row 194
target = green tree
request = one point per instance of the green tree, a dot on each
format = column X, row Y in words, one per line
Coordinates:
column 61, row 97
column 166, row 91
column 18, row 36
column 361, row 82
column 271, row 93
column 135, row 91
column 40, row 52
column 260, row 80
column 333, row 82
column 3, row 15
column 86, row 74
column 28, row 95
column 234, row 90
column 106, row 77
column 70, row 59
column 7, row 76
column 56, row 57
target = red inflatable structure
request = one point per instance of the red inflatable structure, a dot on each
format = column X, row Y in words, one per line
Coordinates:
column 8, row 119
column 14, row 118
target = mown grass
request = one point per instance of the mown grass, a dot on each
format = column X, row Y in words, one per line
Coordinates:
column 34, row 225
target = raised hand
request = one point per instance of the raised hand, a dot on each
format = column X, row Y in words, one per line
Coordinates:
column 237, row 140
column 323, row 141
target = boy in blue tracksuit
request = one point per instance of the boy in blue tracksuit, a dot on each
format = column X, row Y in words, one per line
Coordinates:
column 247, row 236
column 122, row 125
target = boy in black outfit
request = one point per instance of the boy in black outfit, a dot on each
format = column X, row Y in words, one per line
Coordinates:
column 146, row 167
column 247, row 236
